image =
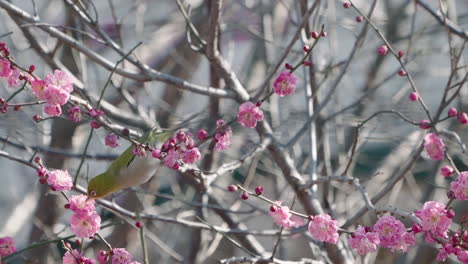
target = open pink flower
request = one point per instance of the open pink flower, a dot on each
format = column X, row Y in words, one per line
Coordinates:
column 285, row 83
column 434, row 218
column 75, row 114
column 434, row 146
column 5, row 70
column 7, row 246
column 281, row 215
column 139, row 150
column 13, row 79
column 462, row 255
column 460, row 186
column 249, row 114
column 112, row 140
column 56, row 95
column 390, row 231
column 323, row 228
column 52, row 109
column 190, row 156
column 222, row 136
column 363, row 241
column 85, row 225
column 71, row 258
column 121, row 256
column 38, row 88
column 172, row 158
column 408, row 240
column 60, row 79
column 60, row 180
column 445, row 251
column 81, row 205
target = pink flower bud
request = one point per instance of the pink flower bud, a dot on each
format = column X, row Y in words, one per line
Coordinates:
column 156, row 153
column 180, row 136
column 462, row 118
column 307, row 63
column 401, row 53
column 324, row 34
column 232, row 188
column 447, row 171
column 41, row 172
column 31, row 68
column 37, row 118
column 38, row 160
column 288, row 66
column 359, row 19
column 272, row 208
column 424, row 124
column 413, row 96
column 95, row 124
column 125, row 132
column 382, row 50
column 245, row 196
column 202, row 134
column 259, row 190
column 402, row 73
column 452, row 112
column 139, row 224
column 417, row 228
column 346, row 5
column 450, row 213
column 17, row 107
column 314, row 35
column 306, row 48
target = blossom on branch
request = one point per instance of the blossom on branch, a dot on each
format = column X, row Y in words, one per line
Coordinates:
column 434, row 218
column 285, row 83
column 85, row 225
column 460, row 186
column 7, row 246
column 390, row 230
column 249, row 114
column 364, row 241
column 323, row 228
column 60, row 180
column 434, row 146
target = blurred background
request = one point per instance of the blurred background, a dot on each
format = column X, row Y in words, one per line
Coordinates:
column 254, row 34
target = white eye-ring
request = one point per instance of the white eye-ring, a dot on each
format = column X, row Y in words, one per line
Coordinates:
column 92, row 193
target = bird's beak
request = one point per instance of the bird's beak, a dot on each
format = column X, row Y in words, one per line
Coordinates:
column 89, row 198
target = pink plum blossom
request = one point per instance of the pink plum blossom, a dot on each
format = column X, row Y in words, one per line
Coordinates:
column 60, row 180
column 281, row 215
column 390, row 230
column 460, row 186
column 52, row 109
column 223, row 135
column 249, row 114
column 93, row 112
column 38, row 88
column 190, row 156
column 112, row 140
column 85, row 225
column 81, row 205
column 55, row 95
column 172, row 158
column 156, row 153
column 95, row 124
column 444, row 251
column 71, row 258
column 434, row 218
column 434, row 146
column 323, row 228
column 5, row 70
column 121, row 256
column 60, row 79
column 74, row 114
column 363, row 241
column 13, row 79
column 408, row 240
column 285, row 83
column 7, row 246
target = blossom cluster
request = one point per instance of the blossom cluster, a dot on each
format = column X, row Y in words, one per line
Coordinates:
column 85, row 222
column 182, row 148
column 117, row 256
column 58, row 180
column 55, row 89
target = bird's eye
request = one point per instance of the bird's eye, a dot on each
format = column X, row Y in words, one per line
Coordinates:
column 92, row 193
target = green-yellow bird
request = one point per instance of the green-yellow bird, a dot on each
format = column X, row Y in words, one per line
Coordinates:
column 128, row 169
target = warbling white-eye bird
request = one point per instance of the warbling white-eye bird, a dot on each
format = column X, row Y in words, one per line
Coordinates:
column 128, row 169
